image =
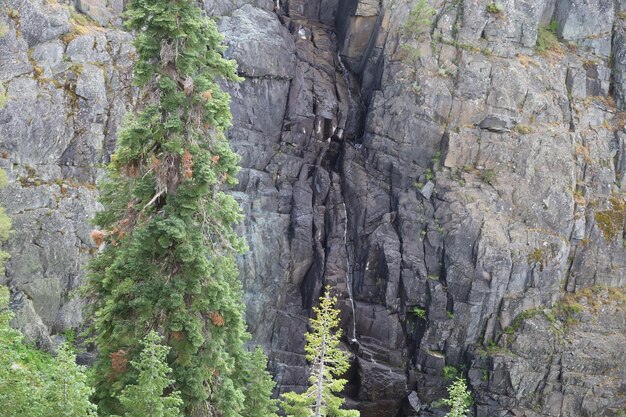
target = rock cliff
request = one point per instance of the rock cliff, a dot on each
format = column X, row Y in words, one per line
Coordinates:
column 463, row 192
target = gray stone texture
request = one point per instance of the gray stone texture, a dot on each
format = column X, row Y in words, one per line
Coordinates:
column 468, row 186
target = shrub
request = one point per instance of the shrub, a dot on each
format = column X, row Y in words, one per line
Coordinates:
column 418, row 312
column 494, row 8
column 416, row 27
column 459, row 399
column 488, row 176
column 450, row 373
column 546, row 38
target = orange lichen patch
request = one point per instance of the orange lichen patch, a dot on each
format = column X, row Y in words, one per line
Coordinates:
column 217, row 319
column 97, row 236
column 187, row 162
column 119, row 361
column 215, row 159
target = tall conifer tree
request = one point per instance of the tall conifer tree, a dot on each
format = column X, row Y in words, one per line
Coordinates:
column 167, row 259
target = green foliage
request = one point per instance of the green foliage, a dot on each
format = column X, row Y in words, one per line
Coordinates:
column 450, row 373
column 33, row 383
column 259, row 386
column 416, row 27
column 459, row 399
column 66, row 390
column 146, row 397
column 5, row 224
column 20, row 382
column 168, row 246
column 417, row 312
column 517, row 321
column 494, row 8
column 546, row 38
column 488, row 176
column 328, row 363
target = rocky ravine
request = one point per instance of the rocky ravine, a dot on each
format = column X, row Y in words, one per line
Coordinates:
column 477, row 182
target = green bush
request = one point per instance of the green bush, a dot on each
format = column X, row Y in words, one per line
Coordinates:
column 494, row 8
column 418, row 312
column 450, row 373
column 488, row 176
column 416, row 26
column 459, row 399
column 547, row 39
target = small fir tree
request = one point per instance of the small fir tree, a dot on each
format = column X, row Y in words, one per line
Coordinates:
column 167, row 259
column 259, row 386
column 460, row 399
column 147, row 398
column 328, row 363
column 67, row 391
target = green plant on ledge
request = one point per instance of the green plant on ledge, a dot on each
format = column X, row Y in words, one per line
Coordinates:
column 418, row 312
column 547, row 39
column 494, row 8
column 450, row 373
column 415, row 28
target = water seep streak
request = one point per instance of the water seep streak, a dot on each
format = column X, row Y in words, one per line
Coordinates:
column 348, row 275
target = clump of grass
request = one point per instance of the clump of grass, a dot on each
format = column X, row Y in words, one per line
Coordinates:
column 450, row 373
column 547, row 39
column 523, row 129
column 494, row 8
column 488, row 176
column 81, row 25
column 417, row 312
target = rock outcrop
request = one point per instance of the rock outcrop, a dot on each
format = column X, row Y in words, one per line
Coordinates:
column 446, row 186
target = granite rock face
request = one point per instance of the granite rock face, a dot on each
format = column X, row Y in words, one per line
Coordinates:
column 445, row 195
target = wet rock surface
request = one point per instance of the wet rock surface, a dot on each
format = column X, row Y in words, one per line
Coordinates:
column 441, row 196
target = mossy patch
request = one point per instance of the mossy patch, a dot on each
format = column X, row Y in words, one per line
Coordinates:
column 611, row 221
